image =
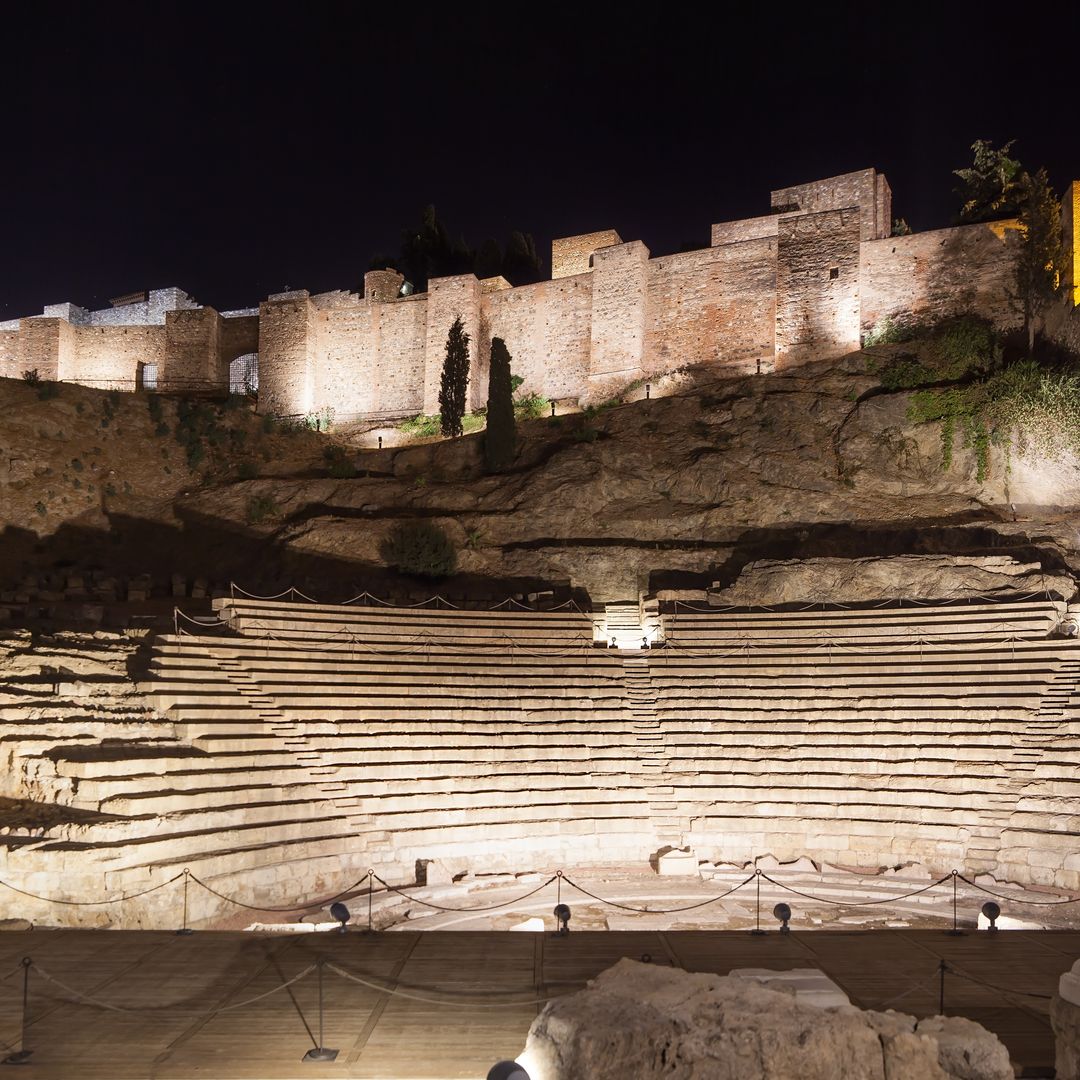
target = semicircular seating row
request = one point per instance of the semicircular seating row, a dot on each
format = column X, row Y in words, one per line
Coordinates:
column 309, row 736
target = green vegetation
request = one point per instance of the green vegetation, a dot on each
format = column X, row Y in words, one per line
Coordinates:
column 247, row 470
column 428, row 251
column 943, row 353
column 261, row 508
column 531, row 406
column 340, row 465
column 991, row 188
column 420, row 548
column 500, row 441
column 455, row 380
column 31, row 377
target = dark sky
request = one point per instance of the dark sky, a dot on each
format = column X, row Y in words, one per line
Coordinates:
column 237, row 150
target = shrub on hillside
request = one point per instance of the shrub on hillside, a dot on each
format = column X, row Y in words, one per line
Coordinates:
column 421, row 548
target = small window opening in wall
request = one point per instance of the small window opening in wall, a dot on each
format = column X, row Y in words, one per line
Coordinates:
column 834, row 273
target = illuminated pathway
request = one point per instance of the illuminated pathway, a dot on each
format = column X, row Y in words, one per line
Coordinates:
column 172, row 986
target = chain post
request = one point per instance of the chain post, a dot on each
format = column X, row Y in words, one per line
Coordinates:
column 22, row 1055
column 757, row 905
column 941, row 987
column 955, row 931
column 370, row 890
column 185, row 930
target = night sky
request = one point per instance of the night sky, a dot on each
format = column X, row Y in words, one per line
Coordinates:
column 235, row 151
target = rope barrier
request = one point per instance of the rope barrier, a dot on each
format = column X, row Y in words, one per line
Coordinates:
column 857, row 903
column 437, row 599
column 1000, row 989
column 559, row 876
column 658, row 911
column 292, row 907
column 89, row 999
column 468, row 1004
column 1015, row 899
column 442, row 907
column 91, row 903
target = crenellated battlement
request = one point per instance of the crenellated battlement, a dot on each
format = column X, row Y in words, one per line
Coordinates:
column 801, row 283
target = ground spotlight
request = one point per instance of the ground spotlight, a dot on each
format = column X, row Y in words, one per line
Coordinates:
column 507, row 1070
column 562, row 914
column 783, row 913
column 341, row 913
column 991, row 910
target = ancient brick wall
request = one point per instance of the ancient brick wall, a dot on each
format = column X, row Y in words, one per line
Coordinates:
column 617, row 336
column 715, row 306
column 817, row 285
column 933, row 275
column 546, row 327
column 108, row 357
column 736, row 232
column 858, row 189
column 10, row 355
column 371, row 356
column 572, row 255
column 194, row 350
column 449, row 298
column 286, row 347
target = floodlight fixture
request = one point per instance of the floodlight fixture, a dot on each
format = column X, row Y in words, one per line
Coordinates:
column 992, row 911
column 562, row 913
column 507, row 1070
column 341, row 913
column 783, row 913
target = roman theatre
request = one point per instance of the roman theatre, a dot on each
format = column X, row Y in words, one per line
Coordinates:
column 741, row 627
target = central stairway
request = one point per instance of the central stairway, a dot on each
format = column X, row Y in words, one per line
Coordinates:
column 652, row 751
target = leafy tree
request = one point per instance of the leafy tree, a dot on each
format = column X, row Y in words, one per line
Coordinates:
column 501, row 437
column 419, row 547
column 455, row 380
column 428, row 251
column 900, row 227
column 1039, row 262
column 992, row 187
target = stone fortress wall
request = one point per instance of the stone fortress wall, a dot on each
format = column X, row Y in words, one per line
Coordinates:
column 801, row 283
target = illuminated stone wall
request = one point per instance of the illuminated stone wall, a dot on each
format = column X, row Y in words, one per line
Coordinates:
column 571, row 255
column 716, row 306
column 1070, row 221
column 936, row 274
column 799, row 284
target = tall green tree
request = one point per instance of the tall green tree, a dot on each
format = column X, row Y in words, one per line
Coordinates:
column 455, row 380
column 1041, row 257
column 992, row 187
column 500, row 439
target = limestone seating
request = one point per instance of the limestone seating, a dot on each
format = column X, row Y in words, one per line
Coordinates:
column 1026, row 618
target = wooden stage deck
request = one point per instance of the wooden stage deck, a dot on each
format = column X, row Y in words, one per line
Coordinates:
column 169, row 987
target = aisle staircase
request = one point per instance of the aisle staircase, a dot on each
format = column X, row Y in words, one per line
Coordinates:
column 652, row 751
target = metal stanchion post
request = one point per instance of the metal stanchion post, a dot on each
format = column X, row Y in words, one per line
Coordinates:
column 184, row 928
column 955, row 931
column 321, row 1052
column 757, row 904
column 22, row 1055
column 941, row 988
column 370, row 889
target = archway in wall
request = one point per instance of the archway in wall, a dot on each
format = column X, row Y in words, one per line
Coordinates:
column 244, row 374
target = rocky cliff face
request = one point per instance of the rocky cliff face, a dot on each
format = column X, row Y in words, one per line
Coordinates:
column 817, row 463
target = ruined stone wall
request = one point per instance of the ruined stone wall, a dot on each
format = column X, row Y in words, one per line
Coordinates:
column 572, row 255
column 933, row 275
column 10, row 355
column 449, row 298
column 546, row 327
column 108, row 357
column 735, row 232
column 194, row 350
column 865, row 190
column 371, row 357
column 817, row 285
column 617, row 340
column 716, row 306
column 286, row 349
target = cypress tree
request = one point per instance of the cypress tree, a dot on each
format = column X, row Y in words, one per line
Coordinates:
column 455, row 380
column 500, row 438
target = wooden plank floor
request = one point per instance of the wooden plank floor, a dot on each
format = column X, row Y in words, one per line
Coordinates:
column 170, row 986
